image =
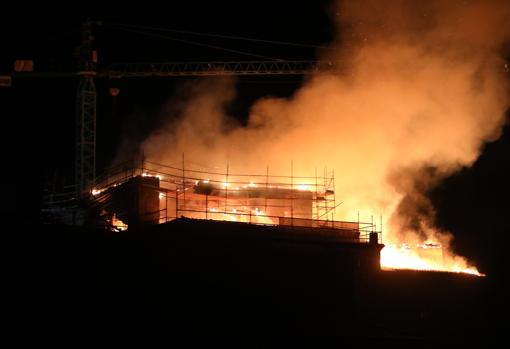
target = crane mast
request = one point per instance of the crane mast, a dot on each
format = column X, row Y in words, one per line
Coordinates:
column 85, row 157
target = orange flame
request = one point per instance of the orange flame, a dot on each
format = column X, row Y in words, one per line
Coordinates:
column 417, row 257
column 118, row 224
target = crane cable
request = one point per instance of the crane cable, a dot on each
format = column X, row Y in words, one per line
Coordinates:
column 230, row 37
column 200, row 44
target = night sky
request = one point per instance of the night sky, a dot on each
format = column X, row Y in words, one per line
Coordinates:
column 38, row 115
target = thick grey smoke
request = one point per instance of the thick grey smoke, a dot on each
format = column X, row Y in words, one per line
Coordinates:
column 421, row 86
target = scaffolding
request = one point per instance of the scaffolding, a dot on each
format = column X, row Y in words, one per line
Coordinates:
column 193, row 191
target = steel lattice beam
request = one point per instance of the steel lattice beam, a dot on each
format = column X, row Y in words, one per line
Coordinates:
column 134, row 70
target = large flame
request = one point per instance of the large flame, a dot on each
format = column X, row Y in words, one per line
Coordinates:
column 406, row 257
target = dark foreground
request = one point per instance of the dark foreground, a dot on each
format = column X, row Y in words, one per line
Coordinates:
column 74, row 286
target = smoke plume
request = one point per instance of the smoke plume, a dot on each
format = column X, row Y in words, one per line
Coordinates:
column 417, row 88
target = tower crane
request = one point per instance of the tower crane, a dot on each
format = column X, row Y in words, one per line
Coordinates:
column 86, row 106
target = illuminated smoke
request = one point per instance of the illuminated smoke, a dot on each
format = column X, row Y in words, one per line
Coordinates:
column 420, row 87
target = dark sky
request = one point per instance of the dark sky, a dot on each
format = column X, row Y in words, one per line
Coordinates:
column 38, row 115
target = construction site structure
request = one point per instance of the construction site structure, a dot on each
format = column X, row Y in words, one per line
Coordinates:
column 141, row 192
